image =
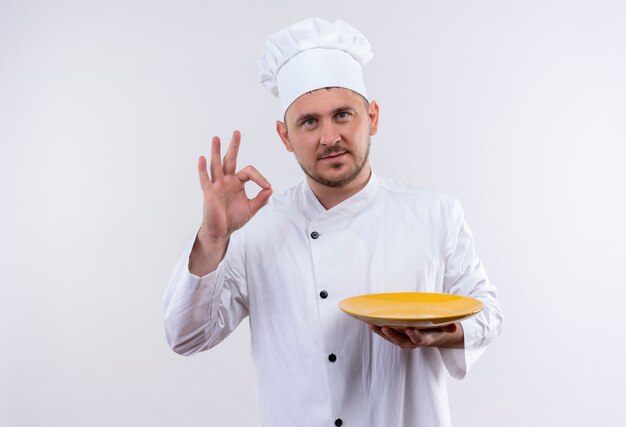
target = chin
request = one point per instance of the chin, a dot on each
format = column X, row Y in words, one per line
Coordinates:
column 337, row 180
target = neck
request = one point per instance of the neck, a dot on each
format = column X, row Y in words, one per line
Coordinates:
column 330, row 197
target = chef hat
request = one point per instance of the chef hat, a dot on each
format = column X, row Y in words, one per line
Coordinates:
column 313, row 54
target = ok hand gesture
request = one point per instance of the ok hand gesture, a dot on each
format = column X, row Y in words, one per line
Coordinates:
column 227, row 208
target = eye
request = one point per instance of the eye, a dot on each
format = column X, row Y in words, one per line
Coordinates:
column 308, row 122
column 342, row 115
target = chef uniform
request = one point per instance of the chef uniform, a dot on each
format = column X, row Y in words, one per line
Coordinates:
column 288, row 268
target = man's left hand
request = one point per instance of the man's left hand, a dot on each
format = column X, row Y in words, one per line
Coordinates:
column 449, row 336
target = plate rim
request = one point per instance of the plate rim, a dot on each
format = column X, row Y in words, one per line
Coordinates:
column 462, row 316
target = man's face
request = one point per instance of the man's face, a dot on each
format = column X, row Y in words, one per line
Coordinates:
column 329, row 132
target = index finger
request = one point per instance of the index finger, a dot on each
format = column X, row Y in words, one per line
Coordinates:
column 249, row 173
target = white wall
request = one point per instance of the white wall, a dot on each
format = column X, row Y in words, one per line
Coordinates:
column 518, row 108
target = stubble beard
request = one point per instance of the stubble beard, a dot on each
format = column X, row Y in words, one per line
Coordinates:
column 336, row 183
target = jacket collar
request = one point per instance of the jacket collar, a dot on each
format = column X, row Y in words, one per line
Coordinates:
column 314, row 210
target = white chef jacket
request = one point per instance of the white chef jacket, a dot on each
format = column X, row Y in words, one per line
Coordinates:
column 389, row 237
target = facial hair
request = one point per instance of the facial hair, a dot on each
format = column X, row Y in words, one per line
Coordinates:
column 338, row 182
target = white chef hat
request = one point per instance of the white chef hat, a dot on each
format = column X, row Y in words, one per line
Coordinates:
column 313, row 54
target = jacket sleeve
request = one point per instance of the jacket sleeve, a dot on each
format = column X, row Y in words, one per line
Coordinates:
column 465, row 275
column 199, row 312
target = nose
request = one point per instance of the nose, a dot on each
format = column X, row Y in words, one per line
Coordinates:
column 329, row 134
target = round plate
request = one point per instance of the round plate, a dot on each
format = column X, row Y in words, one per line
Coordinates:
column 411, row 309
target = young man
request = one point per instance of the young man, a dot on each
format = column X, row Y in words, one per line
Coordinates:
column 342, row 232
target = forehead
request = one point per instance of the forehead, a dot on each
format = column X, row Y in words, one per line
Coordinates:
column 324, row 101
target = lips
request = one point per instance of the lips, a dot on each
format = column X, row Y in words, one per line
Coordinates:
column 333, row 156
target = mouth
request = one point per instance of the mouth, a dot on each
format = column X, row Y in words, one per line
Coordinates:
column 333, row 156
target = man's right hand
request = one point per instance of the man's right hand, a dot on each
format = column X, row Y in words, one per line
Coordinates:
column 227, row 208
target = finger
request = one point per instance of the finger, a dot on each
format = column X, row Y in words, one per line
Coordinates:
column 433, row 337
column 260, row 200
column 230, row 158
column 401, row 340
column 377, row 331
column 451, row 328
column 249, row 173
column 430, row 337
column 205, row 180
column 216, row 160
column 417, row 337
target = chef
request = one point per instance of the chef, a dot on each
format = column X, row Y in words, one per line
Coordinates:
column 286, row 261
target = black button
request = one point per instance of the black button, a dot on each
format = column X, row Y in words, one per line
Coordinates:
column 323, row 294
column 338, row 422
column 332, row 357
column 315, row 235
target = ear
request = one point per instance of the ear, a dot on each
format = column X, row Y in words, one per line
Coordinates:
column 281, row 129
column 373, row 113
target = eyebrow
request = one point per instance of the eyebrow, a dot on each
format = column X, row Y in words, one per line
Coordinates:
column 308, row 116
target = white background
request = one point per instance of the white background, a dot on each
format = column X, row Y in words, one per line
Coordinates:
column 517, row 108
